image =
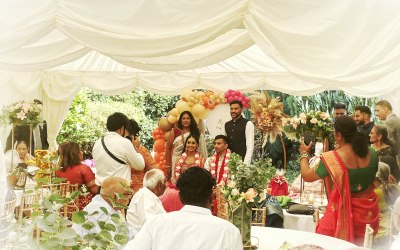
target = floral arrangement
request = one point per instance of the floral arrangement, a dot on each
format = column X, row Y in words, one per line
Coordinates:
column 267, row 115
column 317, row 122
column 247, row 182
column 22, row 113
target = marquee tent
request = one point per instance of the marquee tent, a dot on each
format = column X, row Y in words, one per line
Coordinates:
column 51, row 48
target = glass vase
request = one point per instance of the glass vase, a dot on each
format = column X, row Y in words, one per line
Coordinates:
column 240, row 216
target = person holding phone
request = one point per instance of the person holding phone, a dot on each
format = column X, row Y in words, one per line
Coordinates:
column 133, row 130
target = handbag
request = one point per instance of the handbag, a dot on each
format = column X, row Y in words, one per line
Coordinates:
column 296, row 208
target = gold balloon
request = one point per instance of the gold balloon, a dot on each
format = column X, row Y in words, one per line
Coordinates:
column 166, row 135
column 185, row 94
column 198, row 109
column 172, row 119
column 182, row 106
column 174, row 112
column 205, row 114
column 164, row 124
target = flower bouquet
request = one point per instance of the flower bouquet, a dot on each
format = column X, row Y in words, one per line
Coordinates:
column 245, row 188
column 317, row 122
column 22, row 113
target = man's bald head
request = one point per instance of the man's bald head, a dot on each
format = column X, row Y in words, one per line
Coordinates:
column 113, row 186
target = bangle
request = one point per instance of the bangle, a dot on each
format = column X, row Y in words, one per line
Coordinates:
column 303, row 155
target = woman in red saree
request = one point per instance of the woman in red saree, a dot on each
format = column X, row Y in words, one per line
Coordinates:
column 77, row 173
column 190, row 157
column 349, row 172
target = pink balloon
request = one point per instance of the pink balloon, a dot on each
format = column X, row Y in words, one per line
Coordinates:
column 240, row 99
column 227, row 94
column 230, row 98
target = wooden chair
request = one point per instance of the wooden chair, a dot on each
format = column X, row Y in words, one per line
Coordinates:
column 9, row 208
column 222, row 204
column 259, row 216
column 71, row 207
column 29, row 202
column 60, row 188
column 369, row 236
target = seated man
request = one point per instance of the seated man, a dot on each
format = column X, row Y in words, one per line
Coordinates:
column 193, row 227
column 145, row 203
column 112, row 188
column 396, row 223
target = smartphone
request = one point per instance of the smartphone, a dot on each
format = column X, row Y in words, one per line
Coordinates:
column 309, row 137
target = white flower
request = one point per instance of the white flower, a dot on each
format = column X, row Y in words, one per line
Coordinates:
column 231, row 184
column 226, row 168
column 224, row 175
column 235, row 191
column 181, row 161
column 212, row 171
column 262, row 195
column 87, row 248
column 21, row 115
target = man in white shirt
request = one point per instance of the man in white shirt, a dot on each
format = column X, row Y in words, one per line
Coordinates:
column 117, row 155
column 193, row 227
column 145, row 204
column 240, row 132
column 118, row 190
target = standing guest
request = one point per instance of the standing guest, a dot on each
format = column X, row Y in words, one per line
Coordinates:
column 75, row 172
column 383, row 148
column 23, row 149
column 362, row 117
column 339, row 109
column 193, row 227
column 114, row 155
column 387, row 194
column 396, row 223
column 384, row 112
column 240, row 132
column 145, row 204
column 190, row 157
column 133, row 130
column 22, row 133
column 112, row 188
column 349, row 171
column 217, row 164
column 186, row 126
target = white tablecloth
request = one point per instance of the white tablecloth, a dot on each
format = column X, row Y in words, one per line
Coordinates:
column 272, row 238
column 298, row 222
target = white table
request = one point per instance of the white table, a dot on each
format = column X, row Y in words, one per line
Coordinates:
column 272, row 238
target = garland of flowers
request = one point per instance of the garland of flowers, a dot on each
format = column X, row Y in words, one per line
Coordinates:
column 214, row 162
column 182, row 160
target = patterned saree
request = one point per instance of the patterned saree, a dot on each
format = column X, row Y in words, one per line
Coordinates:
column 347, row 213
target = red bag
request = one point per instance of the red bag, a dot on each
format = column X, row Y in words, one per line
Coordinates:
column 279, row 186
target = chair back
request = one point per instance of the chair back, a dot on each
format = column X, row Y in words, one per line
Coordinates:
column 59, row 188
column 29, row 203
column 9, row 208
column 222, row 204
column 73, row 205
column 369, row 236
column 259, row 216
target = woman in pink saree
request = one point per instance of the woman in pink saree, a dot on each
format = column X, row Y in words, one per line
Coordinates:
column 349, row 172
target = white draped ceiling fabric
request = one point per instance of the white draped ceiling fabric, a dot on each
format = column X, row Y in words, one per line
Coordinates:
column 51, row 48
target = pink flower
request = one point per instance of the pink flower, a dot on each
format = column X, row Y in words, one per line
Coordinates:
column 249, row 195
column 314, row 120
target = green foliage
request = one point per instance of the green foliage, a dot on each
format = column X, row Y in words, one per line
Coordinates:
column 86, row 119
column 247, row 182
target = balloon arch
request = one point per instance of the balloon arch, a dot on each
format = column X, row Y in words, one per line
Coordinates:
column 199, row 103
